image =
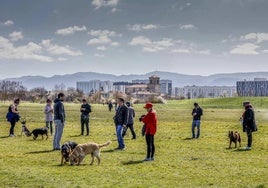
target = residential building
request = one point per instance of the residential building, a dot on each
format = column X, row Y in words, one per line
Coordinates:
column 257, row 87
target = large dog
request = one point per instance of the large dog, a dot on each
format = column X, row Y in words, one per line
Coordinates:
column 234, row 137
column 40, row 131
column 81, row 150
column 66, row 149
column 24, row 128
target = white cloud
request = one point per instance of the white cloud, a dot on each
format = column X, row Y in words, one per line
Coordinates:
column 104, row 3
column 180, row 50
column 102, row 48
column 60, row 50
column 151, row 46
column 8, row 23
column 258, row 37
column 103, row 37
column 204, row 52
column 62, row 59
column 16, row 35
column 99, row 55
column 70, row 30
column 31, row 51
column 245, row 49
column 187, row 27
column 139, row 27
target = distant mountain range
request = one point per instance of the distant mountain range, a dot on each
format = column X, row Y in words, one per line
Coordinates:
column 178, row 80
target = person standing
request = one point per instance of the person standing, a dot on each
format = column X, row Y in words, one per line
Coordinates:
column 110, row 106
column 85, row 110
column 59, row 120
column 13, row 116
column 130, row 122
column 249, row 124
column 196, row 113
column 150, row 122
column 120, row 119
column 48, row 110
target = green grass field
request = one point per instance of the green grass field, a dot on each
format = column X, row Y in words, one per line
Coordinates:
column 179, row 161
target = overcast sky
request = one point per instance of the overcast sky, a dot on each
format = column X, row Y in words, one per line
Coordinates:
column 197, row 37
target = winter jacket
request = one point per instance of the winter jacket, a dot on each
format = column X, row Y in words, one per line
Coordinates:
column 121, row 116
column 59, row 112
column 249, row 120
column 87, row 111
column 150, row 121
column 199, row 113
column 131, row 115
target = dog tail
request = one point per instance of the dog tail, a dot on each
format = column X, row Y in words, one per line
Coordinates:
column 105, row 144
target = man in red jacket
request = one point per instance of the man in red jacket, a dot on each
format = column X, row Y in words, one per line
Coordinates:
column 150, row 121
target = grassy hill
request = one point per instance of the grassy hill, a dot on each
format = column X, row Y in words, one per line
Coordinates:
column 179, row 161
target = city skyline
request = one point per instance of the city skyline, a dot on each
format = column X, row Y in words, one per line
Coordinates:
column 124, row 37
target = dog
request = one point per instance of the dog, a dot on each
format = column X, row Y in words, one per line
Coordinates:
column 24, row 128
column 40, row 131
column 234, row 137
column 66, row 149
column 81, row 150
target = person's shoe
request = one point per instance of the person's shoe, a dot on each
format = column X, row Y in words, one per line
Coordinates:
column 147, row 159
column 152, row 158
column 11, row 135
column 55, row 149
column 247, row 148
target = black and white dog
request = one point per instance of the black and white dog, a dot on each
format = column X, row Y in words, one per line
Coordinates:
column 24, row 128
column 66, row 149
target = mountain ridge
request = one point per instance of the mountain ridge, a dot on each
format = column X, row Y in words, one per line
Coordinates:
column 178, row 79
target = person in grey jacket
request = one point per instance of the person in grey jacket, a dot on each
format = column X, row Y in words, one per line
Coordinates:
column 130, row 122
column 120, row 119
column 59, row 119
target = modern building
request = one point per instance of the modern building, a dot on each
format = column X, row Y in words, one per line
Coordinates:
column 257, row 87
column 192, row 92
column 94, row 85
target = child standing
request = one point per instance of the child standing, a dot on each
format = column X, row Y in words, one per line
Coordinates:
column 49, row 115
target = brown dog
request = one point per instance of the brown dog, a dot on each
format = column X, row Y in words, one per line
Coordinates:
column 234, row 137
column 81, row 150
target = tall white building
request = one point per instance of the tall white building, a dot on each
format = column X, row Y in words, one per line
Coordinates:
column 94, row 86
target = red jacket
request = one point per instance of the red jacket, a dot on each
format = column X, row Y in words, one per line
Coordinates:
column 150, row 121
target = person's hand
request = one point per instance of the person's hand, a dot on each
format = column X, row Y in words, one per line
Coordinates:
column 124, row 126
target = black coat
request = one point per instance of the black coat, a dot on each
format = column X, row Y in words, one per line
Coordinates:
column 249, row 120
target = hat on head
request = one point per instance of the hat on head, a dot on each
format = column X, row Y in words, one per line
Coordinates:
column 148, row 105
column 246, row 103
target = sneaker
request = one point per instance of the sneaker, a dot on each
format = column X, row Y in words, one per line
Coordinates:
column 11, row 135
column 152, row 159
column 247, row 148
column 147, row 159
column 123, row 148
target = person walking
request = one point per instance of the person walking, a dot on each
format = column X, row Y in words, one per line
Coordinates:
column 249, row 124
column 196, row 113
column 48, row 110
column 59, row 120
column 120, row 119
column 13, row 116
column 130, row 122
column 150, row 122
column 85, row 110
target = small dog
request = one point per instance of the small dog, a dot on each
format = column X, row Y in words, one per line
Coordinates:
column 24, row 128
column 234, row 137
column 66, row 149
column 81, row 150
column 42, row 131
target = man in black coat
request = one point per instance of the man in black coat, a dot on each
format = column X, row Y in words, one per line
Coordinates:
column 85, row 110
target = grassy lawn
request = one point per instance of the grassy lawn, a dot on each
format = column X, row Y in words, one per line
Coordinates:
column 179, row 161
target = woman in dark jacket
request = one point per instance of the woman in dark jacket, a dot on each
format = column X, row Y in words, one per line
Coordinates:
column 249, row 124
column 13, row 116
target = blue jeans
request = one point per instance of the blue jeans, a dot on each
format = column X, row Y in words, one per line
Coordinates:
column 58, row 133
column 119, row 129
column 196, row 123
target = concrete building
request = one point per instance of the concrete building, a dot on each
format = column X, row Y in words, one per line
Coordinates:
column 94, row 85
column 192, row 92
column 257, row 87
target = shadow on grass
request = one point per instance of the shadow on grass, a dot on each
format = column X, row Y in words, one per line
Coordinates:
column 1, row 137
column 108, row 151
column 44, row 151
column 188, row 138
column 240, row 150
column 132, row 162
